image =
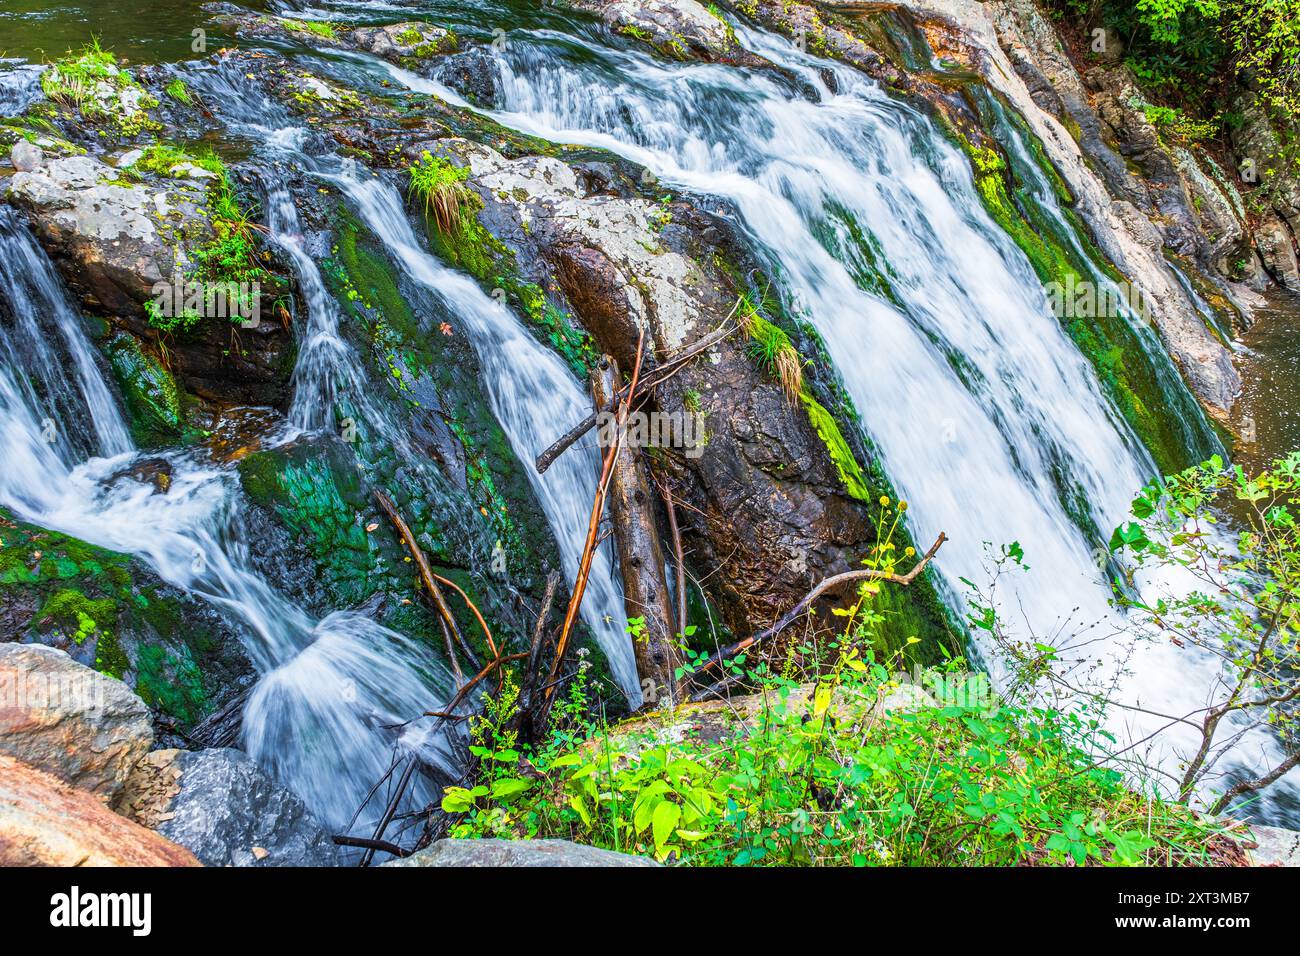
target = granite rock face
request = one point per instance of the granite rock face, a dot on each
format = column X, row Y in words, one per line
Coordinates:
column 63, row 718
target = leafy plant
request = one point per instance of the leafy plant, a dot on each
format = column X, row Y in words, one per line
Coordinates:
column 439, row 184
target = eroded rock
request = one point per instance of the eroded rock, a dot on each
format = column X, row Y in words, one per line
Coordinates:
column 65, row 719
column 44, row 822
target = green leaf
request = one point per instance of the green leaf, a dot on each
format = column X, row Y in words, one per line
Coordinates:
column 666, row 815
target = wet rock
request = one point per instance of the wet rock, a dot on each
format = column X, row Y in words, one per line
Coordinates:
column 44, row 822
column 681, row 29
column 63, row 718
column 766, row 491
column 473, row 74
column 26, row 156
column 147, row 471
column 1274, row 846
column 402, row 41
column 228, row 811
column 515, row 853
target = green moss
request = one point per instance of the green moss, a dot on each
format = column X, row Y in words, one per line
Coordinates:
column 171, row 683
column 152, row 396
column 320, row 28
column 850, row 472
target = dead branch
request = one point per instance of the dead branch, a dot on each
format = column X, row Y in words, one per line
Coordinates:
column 661, row 375
column 593, row 523
column 430, row 584
column 526, row 722
column 835, row 581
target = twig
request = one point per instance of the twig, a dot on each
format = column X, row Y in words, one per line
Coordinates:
column 678, row 556
column 430, row 585
column 593, row 523
column 661, row 375
column 830, row 583
column 371, row 845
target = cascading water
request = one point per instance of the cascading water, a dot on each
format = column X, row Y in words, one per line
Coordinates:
column 982, row 410
column 532, row 393
column 534, row 397
column 337, row 696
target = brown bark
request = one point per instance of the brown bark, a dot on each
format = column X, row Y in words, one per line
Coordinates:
column 641, row 559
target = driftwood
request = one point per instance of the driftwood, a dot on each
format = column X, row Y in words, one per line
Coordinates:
column 632, row 391
column 830, row 584
column 640, row 555
column 593, row 523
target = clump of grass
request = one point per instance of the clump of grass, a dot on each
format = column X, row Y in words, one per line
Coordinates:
column 161, row 158
column 773, row 350
column 78, row 81
column 322, row 28
column 439, row 183
column 178, row 91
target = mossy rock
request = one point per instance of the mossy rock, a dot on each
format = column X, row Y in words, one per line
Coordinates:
column 110, row 612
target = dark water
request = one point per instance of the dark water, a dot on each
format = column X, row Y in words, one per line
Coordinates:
column 1269, row 409
column 139, row 31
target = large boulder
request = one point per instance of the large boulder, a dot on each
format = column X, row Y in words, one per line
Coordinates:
column 44, row 822
column 227, row 810
column 115, row 239
column 518, row 853
column 76, row 724
column 682, row 29
column 123, row 237
column 770, row 506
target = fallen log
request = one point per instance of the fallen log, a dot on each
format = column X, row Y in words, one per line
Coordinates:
column 640, row 555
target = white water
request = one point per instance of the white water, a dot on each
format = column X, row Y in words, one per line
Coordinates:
column 325, row 715
column 983, row 412
column 532, row 393
column 535, row 398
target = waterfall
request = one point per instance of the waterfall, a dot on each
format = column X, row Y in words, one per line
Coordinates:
column 533, row 395
column 535, row 398
column 335, row 697
column 982, row 411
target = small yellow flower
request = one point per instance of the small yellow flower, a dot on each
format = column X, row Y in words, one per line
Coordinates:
column 909, row 551
column 884, row 501
column 902, row 506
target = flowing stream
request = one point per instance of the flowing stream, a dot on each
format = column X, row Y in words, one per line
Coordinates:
column 981, row 409
column 984, row 413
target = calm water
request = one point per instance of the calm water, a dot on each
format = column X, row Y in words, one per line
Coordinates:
column 140, row 31
column 1270, row 400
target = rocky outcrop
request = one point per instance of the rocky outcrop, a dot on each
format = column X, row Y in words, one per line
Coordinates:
column 516, row 853
column 44, row 822
column 82, row 727
column 766, row 504
column 410, row 43
column 120, row 238
column 226, row 810
column 115, row 238
column 681, row 29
